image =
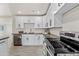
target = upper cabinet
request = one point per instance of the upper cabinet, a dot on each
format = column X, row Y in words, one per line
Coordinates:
column 49, row 19
column 28, row 19
column 19, row 22
column 55, row 13
column 38, row 22
column 45, row 22
column 22, row 20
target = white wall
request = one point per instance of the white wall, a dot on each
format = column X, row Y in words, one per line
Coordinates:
column 71, row 20
column 4, row 9
column 6, row 19
column 7, row 22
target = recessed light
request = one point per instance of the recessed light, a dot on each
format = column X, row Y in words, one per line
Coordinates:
column 38, row 12
column 19, row 12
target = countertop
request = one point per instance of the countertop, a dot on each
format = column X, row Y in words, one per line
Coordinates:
column 51, row 36
column 27, row 33
column 3, row 36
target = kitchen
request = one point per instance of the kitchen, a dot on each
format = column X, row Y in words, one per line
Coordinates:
column 39, row 29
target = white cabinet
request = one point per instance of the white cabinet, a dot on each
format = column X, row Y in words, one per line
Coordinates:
column 55, row 20
column 58, row 20
column 32, row 39
column 5, row 10
column 45, row 21
column 3, row 48
column 25, row 40
column 51, row 19
column 38, row 22
column 28, row 19
column 19, row 22
column 39, row 39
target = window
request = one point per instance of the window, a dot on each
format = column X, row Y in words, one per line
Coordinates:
column 2, row 28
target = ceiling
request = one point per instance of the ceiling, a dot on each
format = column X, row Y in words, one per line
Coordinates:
column 29, row 8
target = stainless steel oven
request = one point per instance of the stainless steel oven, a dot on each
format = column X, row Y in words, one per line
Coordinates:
column 66, row 46
column 48, row 49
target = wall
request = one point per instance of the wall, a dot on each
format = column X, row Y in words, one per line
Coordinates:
column 6, row 19
column 71, row 20
column 7, row 22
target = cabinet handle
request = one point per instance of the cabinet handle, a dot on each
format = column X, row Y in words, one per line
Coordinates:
column 27, row 38
column 38, row 37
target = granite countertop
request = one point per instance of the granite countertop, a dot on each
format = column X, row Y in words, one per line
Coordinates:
column 3, row 36
column 51, row 36
column 27, row 33
column 48, row 36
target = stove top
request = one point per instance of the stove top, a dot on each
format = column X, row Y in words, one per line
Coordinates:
column 61, row 47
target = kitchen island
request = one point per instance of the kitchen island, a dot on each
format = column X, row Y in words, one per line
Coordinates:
column 4, row 44
column 31, row 39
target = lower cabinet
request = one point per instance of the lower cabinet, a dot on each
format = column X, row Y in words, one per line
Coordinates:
column 32, row 39
column 4, row 48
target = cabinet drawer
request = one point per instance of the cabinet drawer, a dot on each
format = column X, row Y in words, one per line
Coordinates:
column 25, row 41
column 32, row 39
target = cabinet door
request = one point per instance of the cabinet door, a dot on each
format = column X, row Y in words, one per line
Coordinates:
column 28, row 19
column 44, row 21
column 3, row 48
column 58, row 20
column 48, row 19
column 52, row 20
column 19, row 22
column 25, row 40
column 38, row 22
column 39, row 40
column 31, row 40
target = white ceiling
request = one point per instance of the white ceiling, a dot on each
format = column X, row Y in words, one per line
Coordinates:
column 28, row 8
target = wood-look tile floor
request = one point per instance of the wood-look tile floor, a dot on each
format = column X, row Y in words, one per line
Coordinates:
column 26, row 51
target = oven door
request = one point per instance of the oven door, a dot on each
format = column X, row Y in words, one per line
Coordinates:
column 49, row 52
column 49, row 48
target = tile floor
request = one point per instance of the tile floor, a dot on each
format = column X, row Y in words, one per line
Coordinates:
column 26, row 51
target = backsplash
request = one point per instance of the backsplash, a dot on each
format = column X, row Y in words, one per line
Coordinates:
column 56, row 31
column 33, row 30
